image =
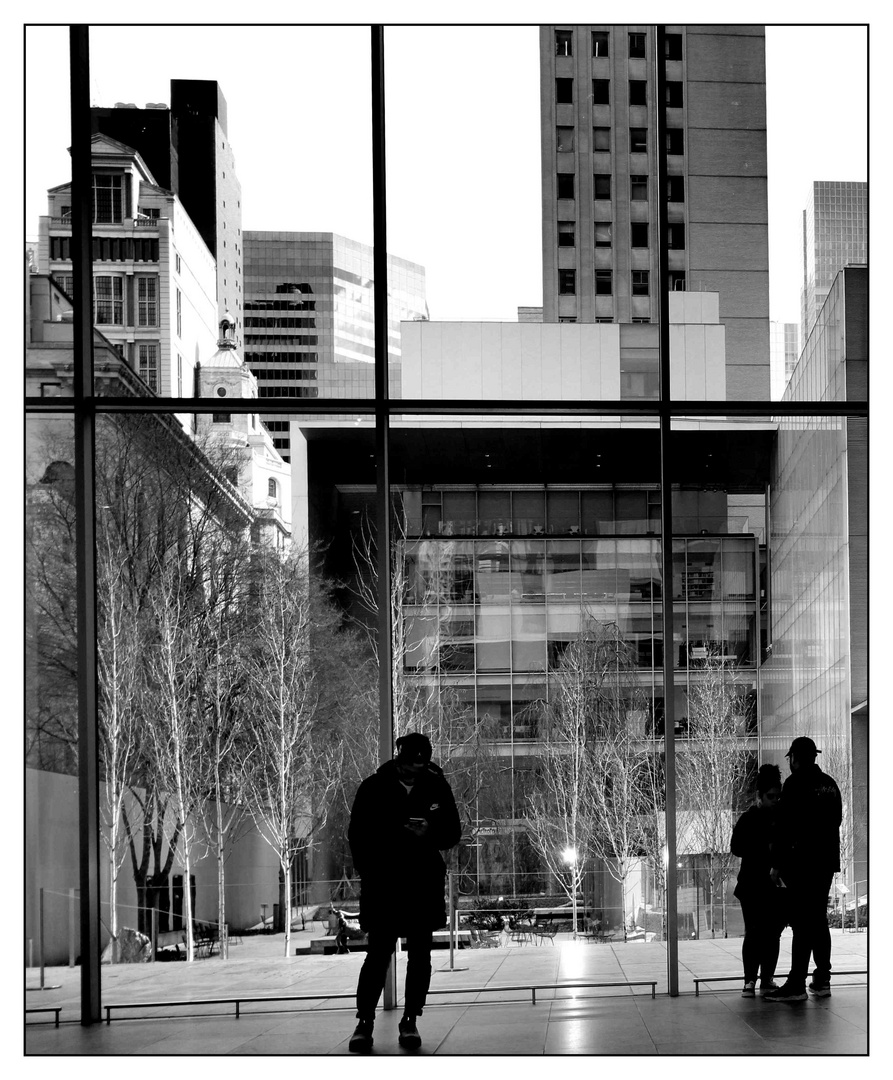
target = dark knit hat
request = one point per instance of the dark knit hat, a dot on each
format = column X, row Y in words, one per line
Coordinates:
column 414, row 748
column 803, row 747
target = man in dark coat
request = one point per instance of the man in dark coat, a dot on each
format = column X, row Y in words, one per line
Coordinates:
column 805, row 855
column 402, row 818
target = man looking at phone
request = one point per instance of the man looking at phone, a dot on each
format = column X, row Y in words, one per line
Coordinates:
column 403, row 816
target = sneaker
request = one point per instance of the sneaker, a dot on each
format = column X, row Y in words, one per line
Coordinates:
column 409, row 1036
column 361, row 1040
column 750, row 989
column 768, row 986
column 787, row 994
column 819, row 988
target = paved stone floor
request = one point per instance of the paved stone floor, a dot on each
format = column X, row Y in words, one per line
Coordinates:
column 616, row 1020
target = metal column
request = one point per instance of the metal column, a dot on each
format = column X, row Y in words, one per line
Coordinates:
column 666, row 514
column 382, row 427
column 84, row 480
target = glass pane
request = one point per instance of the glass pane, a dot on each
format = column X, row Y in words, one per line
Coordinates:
column 51, row 696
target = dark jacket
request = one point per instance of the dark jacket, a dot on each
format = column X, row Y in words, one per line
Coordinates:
column 751, row 838
column 402, row 875
column 807, row 835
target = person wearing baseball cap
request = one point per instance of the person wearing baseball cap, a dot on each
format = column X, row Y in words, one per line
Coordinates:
column 805, row 855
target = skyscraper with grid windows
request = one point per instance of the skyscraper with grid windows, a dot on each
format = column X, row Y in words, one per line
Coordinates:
column 835, row 235
column 599, row 184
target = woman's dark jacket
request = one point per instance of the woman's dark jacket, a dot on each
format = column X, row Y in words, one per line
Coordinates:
column 402, row 875
column 751, row 839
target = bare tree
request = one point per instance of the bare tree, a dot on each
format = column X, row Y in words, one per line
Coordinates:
column 713, row 766
column 562, row 809
column 291, row 766
column 619, row 761
column 179, row 747
column 120, row 692
column 426, row 587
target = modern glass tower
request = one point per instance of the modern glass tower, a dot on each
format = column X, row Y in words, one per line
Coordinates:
column 835, row 235
column 309, row 320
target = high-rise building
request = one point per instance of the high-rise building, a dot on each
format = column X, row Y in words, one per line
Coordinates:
column 310, row 319
column 835, row 235
column 784, row 348
column 599, row 181
column 187, row 150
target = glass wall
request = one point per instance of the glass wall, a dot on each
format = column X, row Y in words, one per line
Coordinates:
column 528, row 615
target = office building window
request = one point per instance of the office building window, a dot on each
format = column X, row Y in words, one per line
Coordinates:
column 675, row 189
column 637, row 45
column 147, row 300
column 147, row 357
column 565, row 185
column 179, row 313
column 603, row 282
column 639, row 234
column 639, row 319
column 638, row 140
column 673, row 46
column 179, row 375
column 676, row 236
column 674, row 95
column 603, row 232
column 638, row 94
column 567, row 282
column 675, row 141
column 108, row 300
column 602, row 185
column 567, row 318
column 564, row 91
column 565, row 234
column 604, row 319
column 676, row 281
column 599, row 42
column 640, row 282
column 601, row 139
column 564, row 138
column 638, row 188
column 564, row 43
column 108, row 198
column 601, row 92
column 177, row 264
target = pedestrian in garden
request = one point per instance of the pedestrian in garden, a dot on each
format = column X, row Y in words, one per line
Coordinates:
column 805, row 857
column 761, row 898
column 403, row 816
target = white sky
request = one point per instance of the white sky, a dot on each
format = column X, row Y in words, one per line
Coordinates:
column 462, row 130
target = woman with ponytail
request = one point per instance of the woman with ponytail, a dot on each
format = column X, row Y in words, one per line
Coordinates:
column 762, row 901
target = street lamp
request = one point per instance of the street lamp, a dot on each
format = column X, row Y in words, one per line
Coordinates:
column 570, row 857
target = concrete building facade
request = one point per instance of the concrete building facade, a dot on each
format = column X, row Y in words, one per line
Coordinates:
column 599, row 180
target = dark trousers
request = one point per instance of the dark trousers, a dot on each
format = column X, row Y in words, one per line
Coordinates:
column 764, row 920
column 381, row 947
column 808, row 912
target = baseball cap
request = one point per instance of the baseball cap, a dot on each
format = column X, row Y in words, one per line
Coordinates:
column 803, row 747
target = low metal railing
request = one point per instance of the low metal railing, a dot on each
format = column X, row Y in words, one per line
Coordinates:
column 243, row 999
column 738, row 978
